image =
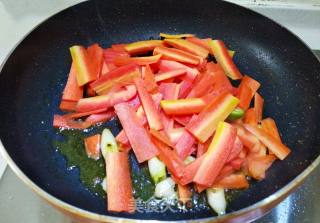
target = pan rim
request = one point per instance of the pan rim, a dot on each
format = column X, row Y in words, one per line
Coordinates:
column 249, row 213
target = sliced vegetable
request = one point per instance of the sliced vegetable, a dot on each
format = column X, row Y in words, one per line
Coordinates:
column 149, row 107
column 206, row 122
column 82, row 114
column 217, row 200
column 171, row 159
column 82, row 63
column 161, row 136
column 149, row 79
column 184, row 146
column 72, row 91
column 167, row 65
column 236, row 149
column 203, row 147
column 188, row 46
column 186, row 106
column 257, row 166
column 95, row 54
column 221, row 81
column 175, row 36
column 60, row 121
column 245, row 95
column 68, row 105
column 269, row 125
column 157, row 170
column 174, row 134
column 106, row 101
column 92, row 146
column 108, row 143
column 273, row 144
column 142, row 46
column 119, row 76
column 119, row 186
column 190, row 171
column 100, row 117
column 233, row 181
column 217, row 154
column 250, row 117
column 165, row 189
column 249, row 140
column 237, row 113
column 184, row 193
column 177, row 55
column 123, row 60
column 138, row 136
column 169, row 74
column 222, row 56
column 258, row 106
column 183, row 119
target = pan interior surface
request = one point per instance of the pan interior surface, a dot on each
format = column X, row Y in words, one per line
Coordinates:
column 33, row 78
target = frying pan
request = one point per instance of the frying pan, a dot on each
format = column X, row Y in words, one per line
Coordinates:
column 33, row 77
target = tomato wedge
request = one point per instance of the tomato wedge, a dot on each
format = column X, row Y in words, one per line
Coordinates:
column 269, row 125
column 233, row 181
column 273, row 144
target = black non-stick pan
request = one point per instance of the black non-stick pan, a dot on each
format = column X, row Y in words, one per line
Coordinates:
column 33, row 77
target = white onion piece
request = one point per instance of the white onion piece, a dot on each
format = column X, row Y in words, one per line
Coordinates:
column 157, row 170
column 217, row 200
column 165, row 189
column 108, row 142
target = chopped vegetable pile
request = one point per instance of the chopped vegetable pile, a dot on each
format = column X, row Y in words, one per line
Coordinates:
column 180, row 114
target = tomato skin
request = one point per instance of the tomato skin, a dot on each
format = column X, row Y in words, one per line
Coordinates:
column 273, row 144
